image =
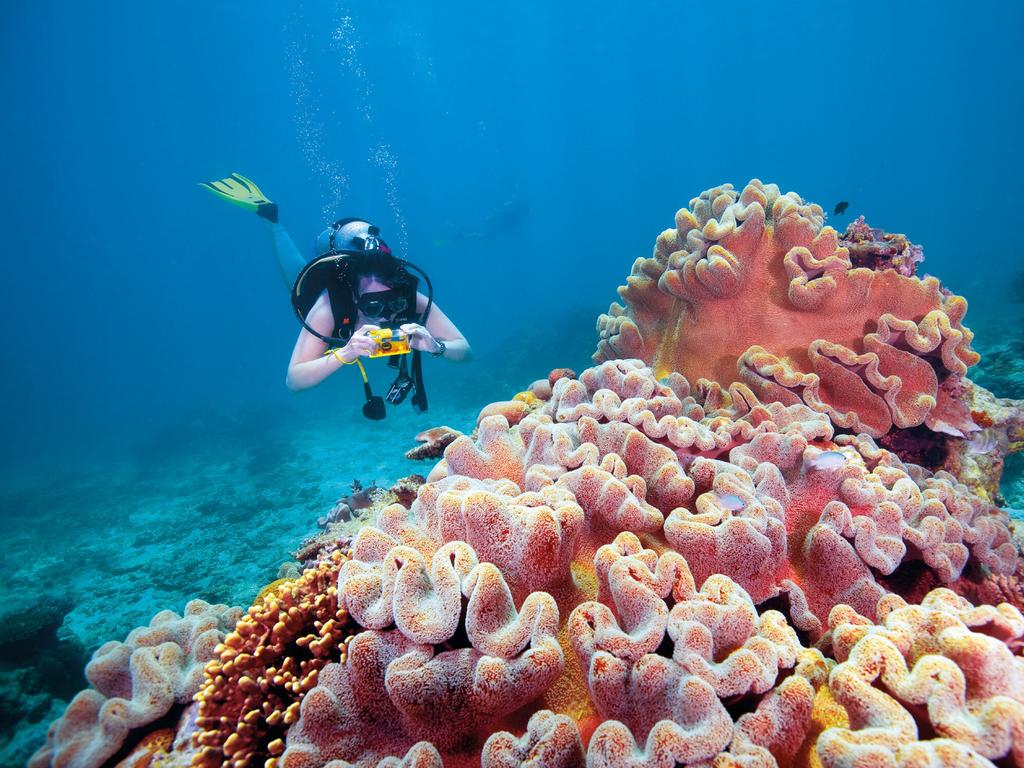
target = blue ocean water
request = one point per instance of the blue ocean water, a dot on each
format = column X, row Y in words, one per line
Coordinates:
column 524, row 154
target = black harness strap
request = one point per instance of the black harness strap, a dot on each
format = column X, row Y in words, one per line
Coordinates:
column 419, row 395
column 337, row 280
column 342, row 309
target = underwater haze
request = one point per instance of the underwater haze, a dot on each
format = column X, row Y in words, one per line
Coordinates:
column 523, row 154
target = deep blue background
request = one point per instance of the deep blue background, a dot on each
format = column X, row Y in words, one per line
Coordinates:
column 132, row 297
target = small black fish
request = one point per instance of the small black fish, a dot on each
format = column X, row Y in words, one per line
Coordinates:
column 841, row 207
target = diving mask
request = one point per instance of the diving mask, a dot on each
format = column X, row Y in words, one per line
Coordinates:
column 378, row 304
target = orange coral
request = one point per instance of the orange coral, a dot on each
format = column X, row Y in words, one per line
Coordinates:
column 265, row 667
column 982, row 419
column 751, row 286
column 513, row 410
column 153, row 746
column 560, row 373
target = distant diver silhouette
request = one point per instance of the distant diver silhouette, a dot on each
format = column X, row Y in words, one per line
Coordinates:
column 504, row 219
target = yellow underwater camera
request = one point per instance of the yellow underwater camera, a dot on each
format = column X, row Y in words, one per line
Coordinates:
column 389, row 343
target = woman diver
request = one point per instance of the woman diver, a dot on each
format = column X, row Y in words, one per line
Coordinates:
column 347, row 296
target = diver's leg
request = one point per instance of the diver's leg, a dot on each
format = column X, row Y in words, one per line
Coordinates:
column 289, row 260
column 238, row 190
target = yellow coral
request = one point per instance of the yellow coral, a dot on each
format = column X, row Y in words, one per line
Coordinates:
column 271, row 589
column 527, row 397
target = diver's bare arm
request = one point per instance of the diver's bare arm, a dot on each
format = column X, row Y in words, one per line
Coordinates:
column 456, row 348
column 308, row 365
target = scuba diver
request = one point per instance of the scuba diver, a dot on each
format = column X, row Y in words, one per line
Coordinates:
column 355, row 299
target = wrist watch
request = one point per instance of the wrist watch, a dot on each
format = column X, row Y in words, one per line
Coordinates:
column 439, row 352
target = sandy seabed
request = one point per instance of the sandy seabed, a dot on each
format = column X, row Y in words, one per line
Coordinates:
column 209, row 509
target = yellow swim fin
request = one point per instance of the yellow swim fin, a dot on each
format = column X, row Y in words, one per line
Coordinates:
column 243, row 192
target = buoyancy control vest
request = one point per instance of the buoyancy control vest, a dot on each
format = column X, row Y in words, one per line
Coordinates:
column 337, row 272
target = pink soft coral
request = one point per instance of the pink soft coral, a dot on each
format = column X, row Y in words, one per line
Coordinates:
column 751, row 286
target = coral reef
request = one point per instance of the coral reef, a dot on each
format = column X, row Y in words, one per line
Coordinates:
column 875, row 249
column 639, row 568
column 750, row 286
column 717, row 555
column 136, row 683
column 978, row 462
column 560, row 373
column 349, row 505
column 722, row 651
column 536, row 528
column 398, row 687
column 432, row 443
column 348, row 515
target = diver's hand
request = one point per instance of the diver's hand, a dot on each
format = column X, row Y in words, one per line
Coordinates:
column 419, row 337
column 360, row 345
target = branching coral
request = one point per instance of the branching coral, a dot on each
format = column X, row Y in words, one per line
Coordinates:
column 751, row 286
column 265, row 667
column 136, row 683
